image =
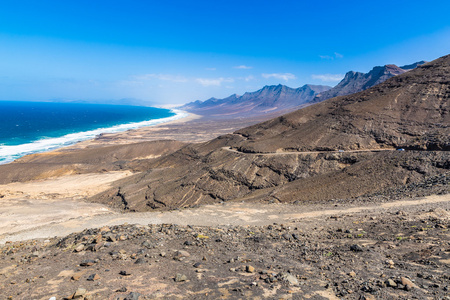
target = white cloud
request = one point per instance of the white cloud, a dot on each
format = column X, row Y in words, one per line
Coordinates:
column 283, row 76
column 213, row 81
column 164, row 77
column 331, row 57
column 328, row 77
column 243, row 67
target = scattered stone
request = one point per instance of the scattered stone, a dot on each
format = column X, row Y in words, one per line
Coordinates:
column 249, row 269
column 352, row 274
column 93, row 277
column 92, row 247
column 356, row 248
column 105, row 229
column 289, row 278
column 79, row 248
column 110, row 237
column 124, row 273
column 77, row 276
column 390, row 263
column 180, row 278
column 287, row 236
column 391, row 283
column 140, row 261
column 162, row 254
column 188, row 243
column 181, row 254
column 121, row 290
column 198, row 265
column 407, row 283
column 87, row 263
column 146, row 244
column 132, row 296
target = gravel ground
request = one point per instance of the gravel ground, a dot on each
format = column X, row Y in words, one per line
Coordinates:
column 391, row 253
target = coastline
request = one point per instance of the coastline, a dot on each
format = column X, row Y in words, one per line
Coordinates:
column 9, row 154
column 134, row 135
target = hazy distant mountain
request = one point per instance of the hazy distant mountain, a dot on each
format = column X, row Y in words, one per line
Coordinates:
column 280, row 98
column 266, row 100
column 354, row 82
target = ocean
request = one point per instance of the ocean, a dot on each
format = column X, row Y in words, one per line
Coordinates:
column 32, row 127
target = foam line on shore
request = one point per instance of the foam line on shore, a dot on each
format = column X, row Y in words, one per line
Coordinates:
column 10, row 153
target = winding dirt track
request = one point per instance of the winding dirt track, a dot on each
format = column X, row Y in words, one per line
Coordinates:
column 229, row 149
column 226, row 214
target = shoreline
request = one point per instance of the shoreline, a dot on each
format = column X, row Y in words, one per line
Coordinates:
column 17, row 152
column 120, row 137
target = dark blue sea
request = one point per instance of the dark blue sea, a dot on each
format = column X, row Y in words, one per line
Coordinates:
column 31, row 127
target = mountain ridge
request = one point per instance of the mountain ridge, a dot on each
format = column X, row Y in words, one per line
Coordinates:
column 281, row 98
column 354, row 82
column 269, row 98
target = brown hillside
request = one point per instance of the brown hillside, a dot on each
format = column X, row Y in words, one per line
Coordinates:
column 410, row 110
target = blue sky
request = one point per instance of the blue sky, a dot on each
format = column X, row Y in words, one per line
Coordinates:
column 172, row 52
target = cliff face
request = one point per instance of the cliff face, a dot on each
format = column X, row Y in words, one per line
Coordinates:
column 409, row 111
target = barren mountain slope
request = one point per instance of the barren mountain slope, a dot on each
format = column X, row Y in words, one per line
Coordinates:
column 410, row 110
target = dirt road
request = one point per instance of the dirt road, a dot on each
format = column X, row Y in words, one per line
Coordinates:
column 305, row 152
column 93, row 216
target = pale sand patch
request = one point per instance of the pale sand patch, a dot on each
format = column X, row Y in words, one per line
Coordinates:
column 234, row 213
column 69, row 186
column 37, row 203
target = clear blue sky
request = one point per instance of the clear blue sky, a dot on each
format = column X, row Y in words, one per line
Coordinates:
column 169, row 52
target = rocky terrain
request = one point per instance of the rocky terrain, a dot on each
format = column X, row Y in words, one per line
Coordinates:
column 402, row 252
column 356, row 167
column 343, row 148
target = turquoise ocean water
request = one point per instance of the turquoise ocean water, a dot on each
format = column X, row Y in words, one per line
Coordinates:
column 32, row 127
